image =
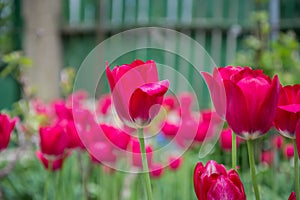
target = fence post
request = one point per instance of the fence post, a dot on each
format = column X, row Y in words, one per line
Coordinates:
column 42, row 44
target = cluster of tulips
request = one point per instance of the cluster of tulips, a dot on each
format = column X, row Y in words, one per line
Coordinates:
column 114, row 131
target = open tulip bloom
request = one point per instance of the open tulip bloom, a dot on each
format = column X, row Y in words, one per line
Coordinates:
column 213, row 181
column 137, row 92
column 137, row 95
column 247, row 99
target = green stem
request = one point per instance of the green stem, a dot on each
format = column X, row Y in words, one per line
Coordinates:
column 233, row 151
column 296, row 168
column 46, row 187
column 252, row 168
column 145, row 164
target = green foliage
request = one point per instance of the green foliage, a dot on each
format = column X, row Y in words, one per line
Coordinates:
column 280, row 56
column 14, row 64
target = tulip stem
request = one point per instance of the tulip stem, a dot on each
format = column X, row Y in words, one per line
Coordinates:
column 252, row 168
column 46, row 187
column 145, row 163
column 296, row 168
column 233, row 151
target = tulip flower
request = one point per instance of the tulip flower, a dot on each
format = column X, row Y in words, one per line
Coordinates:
column 104, row 104
column 213, row 181
column 56, row 164
column 267, row 157
column 6, row 127
column 288, row 111
column 115, row 136
column 137, row 92
column 156, row 170
column 226, row 140
column 53, row 140
column 175, row 162
column 137, row 155
column 292, row 196
column 288, row 151
column 278, row 141
column 101, row 152
column 251, row 99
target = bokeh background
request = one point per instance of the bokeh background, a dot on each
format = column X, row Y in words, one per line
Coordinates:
column 52, row 35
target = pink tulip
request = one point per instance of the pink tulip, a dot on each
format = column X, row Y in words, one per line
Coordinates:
column 251, row 100
column 53, row 140
column 104, row 104
column 136, row 91
column 102, row 152
column 56, row 164
column 267, row 157
column 214, row 182
column 175, row 163
column 288, row 151
column 62, row 110
column 6, row 127
column 277, row 141
column 292, row 196
column 169, row 129
column 156, row 170
column 115, row 136
column 74, row 139
column 170, row 102
column 137, row 156
column 216, row 86
column 226, row 140
column 288, row 110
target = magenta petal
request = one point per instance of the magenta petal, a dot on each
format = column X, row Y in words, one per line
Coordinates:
column 224, row 189
column 217, row 91
column 142, row 106
column 237, row 114
column 293, row 108
column 265, row 114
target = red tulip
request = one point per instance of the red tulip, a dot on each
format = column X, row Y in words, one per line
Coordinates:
column 170, row 102
column 156, row 170
column 74, row 139
column 207, row 126
column 56, row 164
column 292, row 196
column 117, row 137
column 175, row 163
column 62, row 110
column 214, row 182
column 169, row 129
column 216, row 86
column 226, row 140
column 278, row 141
column 267, row 157
column 137, row 156
column 289, row 151
column 53, row 140
column 104, row 104
column 6, row 127
column 136, row 91
column 251, row 100
column 288, row 110
column 102, row 152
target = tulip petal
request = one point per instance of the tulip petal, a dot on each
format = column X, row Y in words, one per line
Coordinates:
column 293, row 108
column 224, row 189
column 217, row 91
column 237, row 114
column 265, row 113
column 146, row 100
